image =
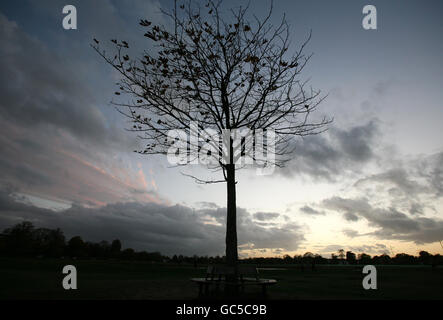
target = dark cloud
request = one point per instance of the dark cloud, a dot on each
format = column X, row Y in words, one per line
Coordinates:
column 356, row 144
column 431, row 169
column 311, row 211
column 334, row 153
column 390, row 223
column 264, row 216
column 206, row 204
column 153, row 227
column 40, row 91
column 351, row 233
column 416, row 208
column 395, row 200
column 24, row 172
column 54, row 139
column 411, row 185
column 399, row 179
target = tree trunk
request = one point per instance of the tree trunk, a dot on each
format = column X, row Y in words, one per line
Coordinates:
column 231, row 220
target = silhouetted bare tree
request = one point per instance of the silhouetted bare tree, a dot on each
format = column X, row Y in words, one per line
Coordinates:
column 341, row 254
column 224, row 74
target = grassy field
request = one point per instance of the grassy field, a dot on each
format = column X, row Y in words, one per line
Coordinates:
column 42, row 279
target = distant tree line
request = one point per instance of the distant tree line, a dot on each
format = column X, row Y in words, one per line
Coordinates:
column 351, row 258
column 24, row 240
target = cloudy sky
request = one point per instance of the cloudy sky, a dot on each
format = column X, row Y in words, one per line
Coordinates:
column 372, row 183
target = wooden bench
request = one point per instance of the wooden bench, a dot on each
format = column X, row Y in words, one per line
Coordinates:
column 217, row 275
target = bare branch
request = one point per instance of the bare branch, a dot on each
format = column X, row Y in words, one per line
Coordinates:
column 201, row 181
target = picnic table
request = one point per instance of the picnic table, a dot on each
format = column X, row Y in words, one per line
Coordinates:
column 217, row 275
